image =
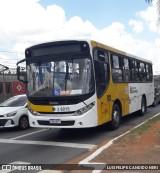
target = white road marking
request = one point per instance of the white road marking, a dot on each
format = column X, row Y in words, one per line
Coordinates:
column 60, row 144
column 29, row 134
column 87, row 160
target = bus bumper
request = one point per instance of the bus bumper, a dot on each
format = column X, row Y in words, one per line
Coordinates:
column 88, row 119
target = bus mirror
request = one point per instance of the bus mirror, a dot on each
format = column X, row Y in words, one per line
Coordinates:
column 102, row 56
column 21, row 72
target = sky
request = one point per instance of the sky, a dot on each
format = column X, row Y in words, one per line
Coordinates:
column 127, row 25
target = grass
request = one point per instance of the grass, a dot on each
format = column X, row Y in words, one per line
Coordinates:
column 135, row 133
column 146, row 126
column 153, row 120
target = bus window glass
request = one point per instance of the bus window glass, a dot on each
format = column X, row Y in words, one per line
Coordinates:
column 115, row 61
column 101, row 71
column 149, row 72
column 116, row 70
column 132, row 70
column 126, row 70
column 142, row 72
column 136, row 71
column 60, row 78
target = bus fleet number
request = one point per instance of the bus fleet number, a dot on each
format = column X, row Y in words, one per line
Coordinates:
column 63, row 109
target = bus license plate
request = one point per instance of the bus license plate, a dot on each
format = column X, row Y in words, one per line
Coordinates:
column 55, row 121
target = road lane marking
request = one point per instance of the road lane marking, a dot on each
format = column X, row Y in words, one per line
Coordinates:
column 59, row 144
column 29, row 134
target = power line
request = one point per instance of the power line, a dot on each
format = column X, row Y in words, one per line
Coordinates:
column 7, row 51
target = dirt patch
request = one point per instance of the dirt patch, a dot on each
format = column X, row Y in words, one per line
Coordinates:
column 140, row 146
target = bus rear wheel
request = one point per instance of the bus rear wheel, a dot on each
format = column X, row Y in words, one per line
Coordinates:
column 143, row 107
column 116, row 117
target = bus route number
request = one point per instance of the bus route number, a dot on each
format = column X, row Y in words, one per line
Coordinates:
column 63, row 109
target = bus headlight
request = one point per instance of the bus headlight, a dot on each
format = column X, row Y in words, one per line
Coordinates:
column 85, row 109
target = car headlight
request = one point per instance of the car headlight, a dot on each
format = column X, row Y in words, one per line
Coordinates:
column 85, row 109
column 33, row 112
column 11, row 114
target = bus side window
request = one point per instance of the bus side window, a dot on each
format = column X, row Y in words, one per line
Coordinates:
column 136, row 71
column 126, row 70
column 101, row 71
column 142, row 70
column 132, row 70
column 149, row 72
column 116, row 69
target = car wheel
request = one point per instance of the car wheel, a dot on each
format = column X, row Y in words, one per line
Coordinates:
column 116, row 117
column 23, row 122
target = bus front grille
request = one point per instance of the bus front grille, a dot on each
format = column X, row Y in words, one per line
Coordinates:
column 63, row 123
column 56, row 102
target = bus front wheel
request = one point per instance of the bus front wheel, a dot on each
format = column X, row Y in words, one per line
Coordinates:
column 116, row 117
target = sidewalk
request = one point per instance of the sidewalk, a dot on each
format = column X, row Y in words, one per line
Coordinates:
column 140, row 146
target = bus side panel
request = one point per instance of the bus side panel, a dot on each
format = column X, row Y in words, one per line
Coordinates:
column 114, row 93
column 136, row 91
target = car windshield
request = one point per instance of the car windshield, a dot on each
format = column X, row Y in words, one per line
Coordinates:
column 15, row 102
column 69, row 77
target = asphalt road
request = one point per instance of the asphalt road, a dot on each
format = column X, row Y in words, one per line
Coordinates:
column 57, row 146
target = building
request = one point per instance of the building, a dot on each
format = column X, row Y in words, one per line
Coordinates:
column 9, row 85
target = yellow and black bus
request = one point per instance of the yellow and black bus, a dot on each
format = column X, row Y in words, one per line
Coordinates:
column 83, row 83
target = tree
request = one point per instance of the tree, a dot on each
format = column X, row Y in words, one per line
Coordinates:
column 158, row 10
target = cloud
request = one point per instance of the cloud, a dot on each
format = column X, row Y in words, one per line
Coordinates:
column 25, row 19
column 7, row 60
column 150, row 16
column 27, row 22
column 137, row 25
column 77, row 28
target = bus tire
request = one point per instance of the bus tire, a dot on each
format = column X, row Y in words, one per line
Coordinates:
column 116, row 117
column 143, row 107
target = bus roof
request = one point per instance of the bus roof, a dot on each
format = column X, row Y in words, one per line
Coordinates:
column 112, row 49
column 97, row 44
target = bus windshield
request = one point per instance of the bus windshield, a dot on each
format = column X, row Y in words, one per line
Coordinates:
column 58, row 78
